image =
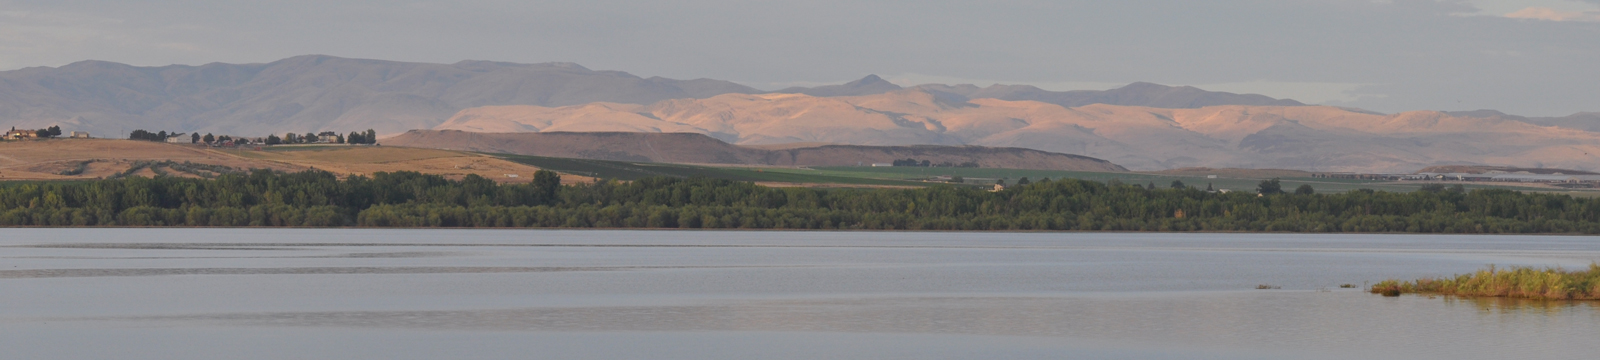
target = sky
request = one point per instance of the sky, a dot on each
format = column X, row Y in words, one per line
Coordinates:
column 1528, row 57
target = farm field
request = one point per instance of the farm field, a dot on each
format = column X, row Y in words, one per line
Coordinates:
column 986, row 176
column 365, row 160
column 622, row 170
column 82, row 159
column 88, row 159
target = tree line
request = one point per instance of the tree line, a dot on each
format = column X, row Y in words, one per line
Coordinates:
column 409, row 199
column 928, row 163
column 355, row 137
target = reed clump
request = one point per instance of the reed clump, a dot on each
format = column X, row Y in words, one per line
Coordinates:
column 1510, row 282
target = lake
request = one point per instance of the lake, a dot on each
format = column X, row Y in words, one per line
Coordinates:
column 555, row 294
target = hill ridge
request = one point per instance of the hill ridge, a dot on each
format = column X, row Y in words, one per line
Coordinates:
column 693, row 148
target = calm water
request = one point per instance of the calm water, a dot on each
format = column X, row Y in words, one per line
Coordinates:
column 493, row 294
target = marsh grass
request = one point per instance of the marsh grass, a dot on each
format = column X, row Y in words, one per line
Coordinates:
column 1512, row 282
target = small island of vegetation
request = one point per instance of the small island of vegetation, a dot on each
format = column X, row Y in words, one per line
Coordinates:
column 1512, row 282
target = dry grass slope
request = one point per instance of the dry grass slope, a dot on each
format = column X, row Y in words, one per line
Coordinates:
column 1315, row 138
column 80, row 159
column 57, row 159
column 365, row 160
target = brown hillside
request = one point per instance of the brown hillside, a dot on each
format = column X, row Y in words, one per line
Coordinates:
column 701, row 149
column 1313, row 138
column 48, row 159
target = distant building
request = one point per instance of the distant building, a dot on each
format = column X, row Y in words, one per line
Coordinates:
column 179, row 139
column 15, row 134
column 80, row 134
column 882, row 165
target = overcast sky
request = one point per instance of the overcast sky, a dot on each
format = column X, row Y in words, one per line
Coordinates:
column 1531, row 57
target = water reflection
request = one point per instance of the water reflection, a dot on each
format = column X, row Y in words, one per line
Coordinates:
column 508, row 294
column 1504, row 305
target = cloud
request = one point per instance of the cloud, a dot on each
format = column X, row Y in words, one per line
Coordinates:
column 1548, row 14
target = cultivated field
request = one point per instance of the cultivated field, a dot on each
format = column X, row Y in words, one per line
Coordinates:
column 69, row 159
column 363, row 160
column 80, row 159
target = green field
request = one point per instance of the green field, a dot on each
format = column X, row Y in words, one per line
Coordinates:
column 622, row 170
column 922, row 176
column 987, row 176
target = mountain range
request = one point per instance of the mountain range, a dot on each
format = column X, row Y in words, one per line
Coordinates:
column 315, row 93
column 1319, row 138
column 1141, row 126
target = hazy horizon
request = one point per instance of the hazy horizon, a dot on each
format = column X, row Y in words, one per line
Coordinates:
column 1532, row 57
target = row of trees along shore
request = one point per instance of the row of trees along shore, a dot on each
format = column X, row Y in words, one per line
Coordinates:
column 409, row 199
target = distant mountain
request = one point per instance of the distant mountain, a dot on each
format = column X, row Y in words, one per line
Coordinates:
column 1586, row 121
column 870, row 85
column 323, row 93
column 1318, row 138
column 701, row 149
column 310, row 93
column 1136, row 94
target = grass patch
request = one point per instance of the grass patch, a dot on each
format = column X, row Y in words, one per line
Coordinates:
column 160, row 169
column 1512, row 282
column 77, row 168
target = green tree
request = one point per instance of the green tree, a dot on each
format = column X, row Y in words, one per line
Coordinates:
column 208, row 138
column 273, row 140
column 194, row 138
column 1269, row 187
column 1178, row 184
column 1304, row 189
